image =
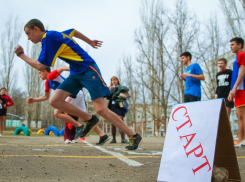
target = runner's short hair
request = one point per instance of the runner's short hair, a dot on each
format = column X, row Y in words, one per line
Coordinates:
column 238, row 40
column 186, row 54
column 223, row 59
column 3, row 88
column 47, row 68
column 35, row 23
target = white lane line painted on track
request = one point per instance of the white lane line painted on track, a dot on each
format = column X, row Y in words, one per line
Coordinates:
column 41, row 149
column 130, row 162
column 152, row 153
column 140, row 153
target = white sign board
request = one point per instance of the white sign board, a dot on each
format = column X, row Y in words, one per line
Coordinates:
column 190, row 143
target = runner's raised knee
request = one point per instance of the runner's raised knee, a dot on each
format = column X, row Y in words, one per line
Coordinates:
column 56, row 113
column 54, row 102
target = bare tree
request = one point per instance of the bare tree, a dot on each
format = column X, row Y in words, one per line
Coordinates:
column 234, row 11
column 19, row 98
column 184, row 28
column 210, row 47
column 119, row 72
column 158, row 58
column 9, row 39
column 163, row 36
column 34, row 85
column 143, row 94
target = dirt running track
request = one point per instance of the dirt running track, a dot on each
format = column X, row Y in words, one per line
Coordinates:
column 48, row 159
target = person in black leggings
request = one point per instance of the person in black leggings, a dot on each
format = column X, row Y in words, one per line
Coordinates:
column 113, row 106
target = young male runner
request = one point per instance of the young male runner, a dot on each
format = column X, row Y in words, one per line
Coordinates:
column 53, row 80
column 238, row 85
column 192, row 76
column 83, row 73
column 224, row 84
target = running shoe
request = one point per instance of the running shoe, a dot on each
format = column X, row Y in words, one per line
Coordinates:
column 1, row 135
column 87, row 127
column 103, row 139
column 134, row 142
column 73, row 141
column 125, row 141
column 237, row 144
column 113, row 141
column 67, row 141
column 79, row 131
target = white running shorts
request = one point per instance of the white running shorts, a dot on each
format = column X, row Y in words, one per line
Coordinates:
column 79, row 101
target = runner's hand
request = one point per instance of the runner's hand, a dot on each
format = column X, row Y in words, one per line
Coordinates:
column 230, row 98
column 111, row 87
column 232, row 94
column 96, row 43
column 30, row 100
column 182, row 77
column 216, row 96
column 185, row 75
column 18, row 49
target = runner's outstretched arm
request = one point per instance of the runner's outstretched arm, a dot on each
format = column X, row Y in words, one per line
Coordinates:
column 63, row 68
column 19, row 51
column 198, row 77
column 39, row 99
column 238, row 82
column 47, row 94
column 94, row 43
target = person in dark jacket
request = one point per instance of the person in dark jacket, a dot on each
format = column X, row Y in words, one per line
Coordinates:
column 114, row 106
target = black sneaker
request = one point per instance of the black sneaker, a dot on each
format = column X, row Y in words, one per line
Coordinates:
column 125, row 141
column 134, row 142
column 78, row 132
column 86, row 128
column 113, row 141
column 103, row 139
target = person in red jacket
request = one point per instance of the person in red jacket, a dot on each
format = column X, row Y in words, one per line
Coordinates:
column 7, row 104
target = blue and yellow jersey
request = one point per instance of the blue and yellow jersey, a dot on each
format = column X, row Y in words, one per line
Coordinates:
column 62, row 45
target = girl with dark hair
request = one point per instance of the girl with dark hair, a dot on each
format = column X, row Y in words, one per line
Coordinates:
column 114, row 107
column 6, row 101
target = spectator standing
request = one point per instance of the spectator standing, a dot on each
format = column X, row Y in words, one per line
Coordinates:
column 115, row 107
column 7, row 102
column 192, row 77
column 224, row 84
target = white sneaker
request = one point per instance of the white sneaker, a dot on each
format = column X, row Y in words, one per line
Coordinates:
column 73, row 141
column 67, row 141
column 240, row 144
column 1, row 135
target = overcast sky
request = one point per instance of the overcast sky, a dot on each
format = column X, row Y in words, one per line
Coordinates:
column 112, row 21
